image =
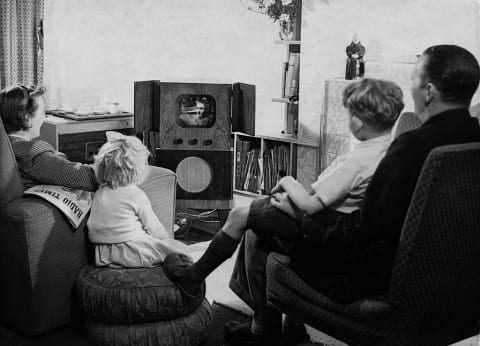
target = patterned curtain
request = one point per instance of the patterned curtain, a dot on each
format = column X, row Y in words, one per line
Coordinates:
column 21, row 42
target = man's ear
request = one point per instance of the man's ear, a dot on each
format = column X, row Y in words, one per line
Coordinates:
column 431, row 93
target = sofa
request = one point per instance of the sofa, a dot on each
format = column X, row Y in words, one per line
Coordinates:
column 41, row 254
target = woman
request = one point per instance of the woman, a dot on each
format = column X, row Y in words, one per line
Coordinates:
column 22, row 110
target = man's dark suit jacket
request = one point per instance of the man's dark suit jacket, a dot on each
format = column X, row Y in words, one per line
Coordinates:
column 355, row 258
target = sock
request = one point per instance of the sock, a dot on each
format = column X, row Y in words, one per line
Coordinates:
column 257, row 325
column 220, row 249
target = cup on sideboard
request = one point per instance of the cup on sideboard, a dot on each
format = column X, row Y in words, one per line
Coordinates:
column 113, row 107
column 69, row 108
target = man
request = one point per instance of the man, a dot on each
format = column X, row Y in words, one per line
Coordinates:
column 355, row 257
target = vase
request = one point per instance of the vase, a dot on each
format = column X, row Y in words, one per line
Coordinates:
column 286, row 29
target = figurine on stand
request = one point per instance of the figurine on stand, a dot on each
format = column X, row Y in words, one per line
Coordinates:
column 355, row 65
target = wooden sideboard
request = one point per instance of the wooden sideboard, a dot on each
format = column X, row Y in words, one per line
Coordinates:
column 80, row 140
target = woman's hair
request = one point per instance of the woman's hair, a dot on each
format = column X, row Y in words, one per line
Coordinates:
column 454, row 71
column 376, row 102
column 16, row 102
column 121, row 161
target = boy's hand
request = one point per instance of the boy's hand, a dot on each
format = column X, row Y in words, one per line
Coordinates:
column 278, row 188
column 281, row 201
column 287, row 180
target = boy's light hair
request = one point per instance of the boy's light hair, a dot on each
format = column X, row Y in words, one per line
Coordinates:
column 123, row 160
column 376, row 102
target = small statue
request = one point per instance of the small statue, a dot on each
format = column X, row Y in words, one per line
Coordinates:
column 355, row 65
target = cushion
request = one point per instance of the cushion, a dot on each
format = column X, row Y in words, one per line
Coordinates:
column 126, row 296
column 188, row 330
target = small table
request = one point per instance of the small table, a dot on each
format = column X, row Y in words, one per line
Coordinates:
column 80, row 140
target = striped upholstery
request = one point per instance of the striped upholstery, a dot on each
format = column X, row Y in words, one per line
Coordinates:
column 433, row 297
column 41, row 255
column 10, row 183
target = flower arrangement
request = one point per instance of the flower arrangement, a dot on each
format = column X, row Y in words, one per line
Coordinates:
column 280, row 9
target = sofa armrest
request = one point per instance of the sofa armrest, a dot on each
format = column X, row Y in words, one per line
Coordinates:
column 40, row 258
column 160, row 187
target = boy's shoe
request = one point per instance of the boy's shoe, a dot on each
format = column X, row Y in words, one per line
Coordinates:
column 240, row 334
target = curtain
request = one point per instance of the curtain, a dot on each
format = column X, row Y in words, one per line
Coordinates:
column 21, row 42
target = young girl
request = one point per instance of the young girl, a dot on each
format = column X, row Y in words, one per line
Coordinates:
column 122, row 225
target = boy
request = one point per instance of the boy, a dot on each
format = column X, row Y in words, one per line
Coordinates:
column 373, row 106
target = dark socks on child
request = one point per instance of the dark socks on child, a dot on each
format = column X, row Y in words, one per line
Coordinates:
column 189, row 277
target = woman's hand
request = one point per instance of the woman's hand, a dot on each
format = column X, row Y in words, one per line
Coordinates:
column 281, row 201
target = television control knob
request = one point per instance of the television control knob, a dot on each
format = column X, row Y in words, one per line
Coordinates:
column 177, row 141
column 193, row 141
column 207, row 142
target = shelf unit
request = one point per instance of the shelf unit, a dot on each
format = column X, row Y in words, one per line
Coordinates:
column 303, row 155
column 264, row 142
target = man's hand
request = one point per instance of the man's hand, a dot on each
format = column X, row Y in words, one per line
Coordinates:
column 281, row 201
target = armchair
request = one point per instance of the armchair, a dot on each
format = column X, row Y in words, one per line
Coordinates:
column 433, row 296
column 41, row 255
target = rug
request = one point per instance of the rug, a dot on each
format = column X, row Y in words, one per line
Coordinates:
column 219, row 292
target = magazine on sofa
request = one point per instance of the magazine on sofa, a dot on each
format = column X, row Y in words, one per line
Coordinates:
column 73, row 203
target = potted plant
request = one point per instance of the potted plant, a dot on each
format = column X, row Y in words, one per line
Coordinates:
column 285, row 12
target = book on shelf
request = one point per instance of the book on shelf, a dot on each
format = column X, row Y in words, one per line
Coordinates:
column 252, row 171
column 268, row 182
column 284, row 78
column 292, row 75
column 295, row 75
column 276, row 164
column 292, row 119
column 260, row 174
column 240, row 162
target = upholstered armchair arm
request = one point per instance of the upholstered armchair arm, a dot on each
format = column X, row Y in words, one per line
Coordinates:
column 160, row 187
column 40, row 257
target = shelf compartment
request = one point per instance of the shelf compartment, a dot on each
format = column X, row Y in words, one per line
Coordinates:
column 283, row 100
column 288, row 42
column 249, row 194
column 280, row 137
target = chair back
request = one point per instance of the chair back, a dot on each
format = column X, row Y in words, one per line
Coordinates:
column 435, row 278
column 10, row 183
column 407, row 121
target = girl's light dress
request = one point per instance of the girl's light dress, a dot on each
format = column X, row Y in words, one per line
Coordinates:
column 125, row 230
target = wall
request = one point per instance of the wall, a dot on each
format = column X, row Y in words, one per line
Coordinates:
column 392, row 31
column 96, row 49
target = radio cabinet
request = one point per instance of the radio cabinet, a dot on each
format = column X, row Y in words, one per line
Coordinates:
column 80, row 140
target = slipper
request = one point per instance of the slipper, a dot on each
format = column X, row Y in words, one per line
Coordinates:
column 174, row 266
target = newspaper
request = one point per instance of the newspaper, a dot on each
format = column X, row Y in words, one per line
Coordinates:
column 73, row 203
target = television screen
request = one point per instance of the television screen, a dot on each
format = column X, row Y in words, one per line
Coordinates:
column 195, row 111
